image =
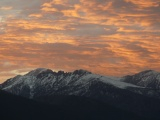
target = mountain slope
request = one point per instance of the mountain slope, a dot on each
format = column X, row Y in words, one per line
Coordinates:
column 148, row 78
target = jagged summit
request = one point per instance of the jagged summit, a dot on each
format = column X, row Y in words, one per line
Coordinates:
column 81, row 71
column 39, row 71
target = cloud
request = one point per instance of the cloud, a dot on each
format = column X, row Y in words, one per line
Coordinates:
column 6, row 8
column 110, row 37
column 145, row 3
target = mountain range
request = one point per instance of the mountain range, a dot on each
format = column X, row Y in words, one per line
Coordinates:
column 83, row 92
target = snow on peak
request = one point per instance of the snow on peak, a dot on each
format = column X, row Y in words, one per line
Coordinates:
column 39, row 71
column 116, row 82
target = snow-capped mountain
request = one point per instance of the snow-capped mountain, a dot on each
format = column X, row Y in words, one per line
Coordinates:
column 43, row 81
column 132, row 93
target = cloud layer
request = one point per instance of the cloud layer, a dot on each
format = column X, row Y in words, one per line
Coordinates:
column 109, row 37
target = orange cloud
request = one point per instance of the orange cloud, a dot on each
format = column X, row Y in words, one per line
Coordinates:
column 48, row 9
column 71, row 13
column 6, row 8
column 145, row 3
column 35, row 15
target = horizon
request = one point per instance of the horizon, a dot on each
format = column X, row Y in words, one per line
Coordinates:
column 107, row 37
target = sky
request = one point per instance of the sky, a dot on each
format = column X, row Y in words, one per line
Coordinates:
column 108, row 37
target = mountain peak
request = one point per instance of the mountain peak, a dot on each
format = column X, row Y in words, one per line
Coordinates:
column 39, row 71
column 147, row 78
column 148, row 72
column 81, row 71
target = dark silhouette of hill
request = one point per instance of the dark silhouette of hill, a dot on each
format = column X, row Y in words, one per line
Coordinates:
column 64, row 108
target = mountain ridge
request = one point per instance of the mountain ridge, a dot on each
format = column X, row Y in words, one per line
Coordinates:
column 46, row 77
column 43, row 77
